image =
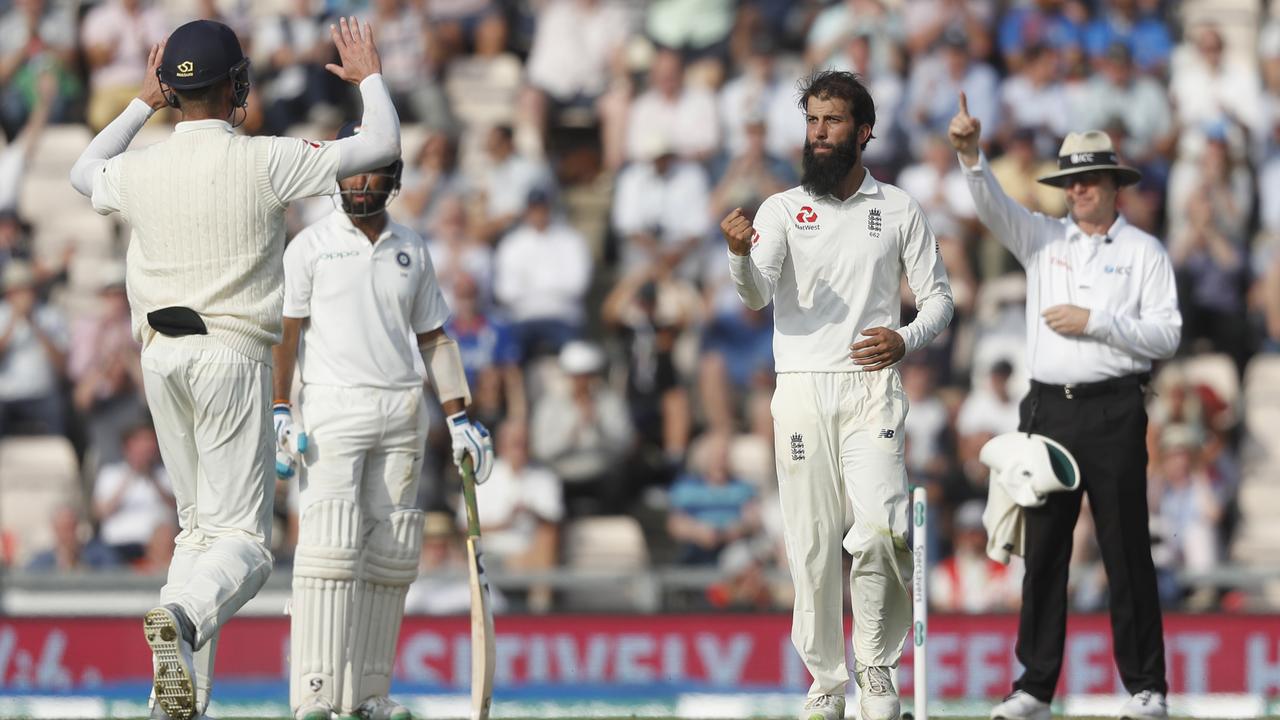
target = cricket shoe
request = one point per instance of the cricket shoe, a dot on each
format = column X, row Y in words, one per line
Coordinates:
column 878, row 699
column 1020, row 705
column 383, row 708
column 1146, row 705
column 172, row 637
column 823, row 707
column 314, row 710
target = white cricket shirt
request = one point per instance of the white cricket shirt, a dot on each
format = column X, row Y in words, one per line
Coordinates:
column 833, row 269
column 1126, row 283
column 366, row 303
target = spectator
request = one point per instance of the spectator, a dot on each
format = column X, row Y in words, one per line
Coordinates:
column 835, row 28
column 1216, row 176
column 507, row 182
column 940, row 188
column 541, row 275
column 104, row 363
column 679, row 114
column 74, row 548
column 456, row 251
column 1189, row 507
column 652, row 309
column 968, row 581
column 33, row 346
column 1266, row 134
column 583, row 433
column 37, row 39
column 931, row 20
column 577, row 48
column 410, row 62
column 660, row 209
column 1210, row 268
column 752, row 174
column 1053, row 23
column 290, row 49
column 735, row 370
column 1017, row 170
column 699, row 28
column 988, row 411
column 1139, row 102
column 710, row 508
column 429, row 181
column 134, row 497
column 926, row 424
column 15, row 156
column 467, row 25
column 442, row 587
column 116, row 36
column 490, row 356
column 935, row 82
column 761, row 93
column 1135, row 24
column 520, row 507
column 886, row 86
column 1034, row 97
column 1207, row 87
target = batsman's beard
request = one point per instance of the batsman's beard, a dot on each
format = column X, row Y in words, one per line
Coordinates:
column 823, row 174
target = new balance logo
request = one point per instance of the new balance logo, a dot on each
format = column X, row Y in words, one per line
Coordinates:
column 797, row 447
column 885, row 434
column 874, row 224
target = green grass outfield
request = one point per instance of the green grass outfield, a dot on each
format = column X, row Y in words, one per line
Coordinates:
column 682, row 707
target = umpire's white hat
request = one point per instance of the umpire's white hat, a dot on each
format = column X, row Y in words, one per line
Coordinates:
column 1088, row 152
column 1030, row 466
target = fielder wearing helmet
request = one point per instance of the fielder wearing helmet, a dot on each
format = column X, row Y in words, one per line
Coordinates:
column 201, row 64
column 206, row 206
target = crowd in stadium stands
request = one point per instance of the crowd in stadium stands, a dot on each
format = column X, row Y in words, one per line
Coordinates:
column 568, row 162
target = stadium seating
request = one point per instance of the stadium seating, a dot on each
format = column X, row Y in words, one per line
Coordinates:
column 613, row 544
column 37, row 475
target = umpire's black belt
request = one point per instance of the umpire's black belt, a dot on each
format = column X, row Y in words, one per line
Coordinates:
column 1094, row 389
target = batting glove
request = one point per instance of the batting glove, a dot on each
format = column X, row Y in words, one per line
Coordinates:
column 288, row 445
column 471, row 438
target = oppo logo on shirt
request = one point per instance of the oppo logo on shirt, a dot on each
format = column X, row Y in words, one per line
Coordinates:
column 807, row 219
column 337, row 255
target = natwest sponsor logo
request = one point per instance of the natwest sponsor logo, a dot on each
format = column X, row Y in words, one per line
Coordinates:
column 807, row 218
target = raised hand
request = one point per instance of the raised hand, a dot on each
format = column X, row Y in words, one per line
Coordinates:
column 964, row 132
column 151, row 93
column 356, row 51
column 737, row 232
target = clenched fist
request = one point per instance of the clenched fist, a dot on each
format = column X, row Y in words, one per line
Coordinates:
column 964, row 132
column 737, row 232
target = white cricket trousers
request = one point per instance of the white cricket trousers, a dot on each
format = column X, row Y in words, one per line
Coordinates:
column 212, row 411
column 838, row 441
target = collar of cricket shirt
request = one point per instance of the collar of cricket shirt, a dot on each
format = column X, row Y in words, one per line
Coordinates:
column 869, row 187
column 208, row 124
column 344, row 222
column 1075, row 232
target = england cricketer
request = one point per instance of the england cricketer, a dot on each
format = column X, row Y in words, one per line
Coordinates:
column 830, row 256
column 206, row 287
column 362, row 295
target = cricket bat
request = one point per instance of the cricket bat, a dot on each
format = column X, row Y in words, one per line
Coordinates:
column 482, row 635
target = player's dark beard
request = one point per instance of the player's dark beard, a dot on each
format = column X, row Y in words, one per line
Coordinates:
column 822, row 175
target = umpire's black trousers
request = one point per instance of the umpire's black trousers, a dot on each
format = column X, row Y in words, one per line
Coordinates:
column 1104, row 425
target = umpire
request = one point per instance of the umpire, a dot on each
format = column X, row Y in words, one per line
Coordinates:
column 1101, row 306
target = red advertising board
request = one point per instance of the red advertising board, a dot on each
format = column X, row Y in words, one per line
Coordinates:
column 970, row 656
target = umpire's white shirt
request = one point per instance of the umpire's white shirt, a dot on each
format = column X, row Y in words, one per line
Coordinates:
column 366, row 301
column 834, row 268
column 1124, row 278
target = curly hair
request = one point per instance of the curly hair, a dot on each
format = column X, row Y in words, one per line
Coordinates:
column 847, row 86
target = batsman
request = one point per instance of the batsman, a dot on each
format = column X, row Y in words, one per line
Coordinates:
column 830, row 255
column 362, row 297
column 206, row 286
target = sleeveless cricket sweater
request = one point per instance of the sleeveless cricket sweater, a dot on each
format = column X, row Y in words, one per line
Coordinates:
column 208, row 234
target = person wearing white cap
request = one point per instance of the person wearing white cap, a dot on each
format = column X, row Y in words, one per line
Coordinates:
column 1101, row 306
column 830, row 255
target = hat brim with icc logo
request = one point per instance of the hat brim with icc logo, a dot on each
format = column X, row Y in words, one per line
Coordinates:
column 1030, row 466
column 1090, row 151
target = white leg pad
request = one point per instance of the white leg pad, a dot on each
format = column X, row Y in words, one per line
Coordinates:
column 389, row 565
column 324, row 574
